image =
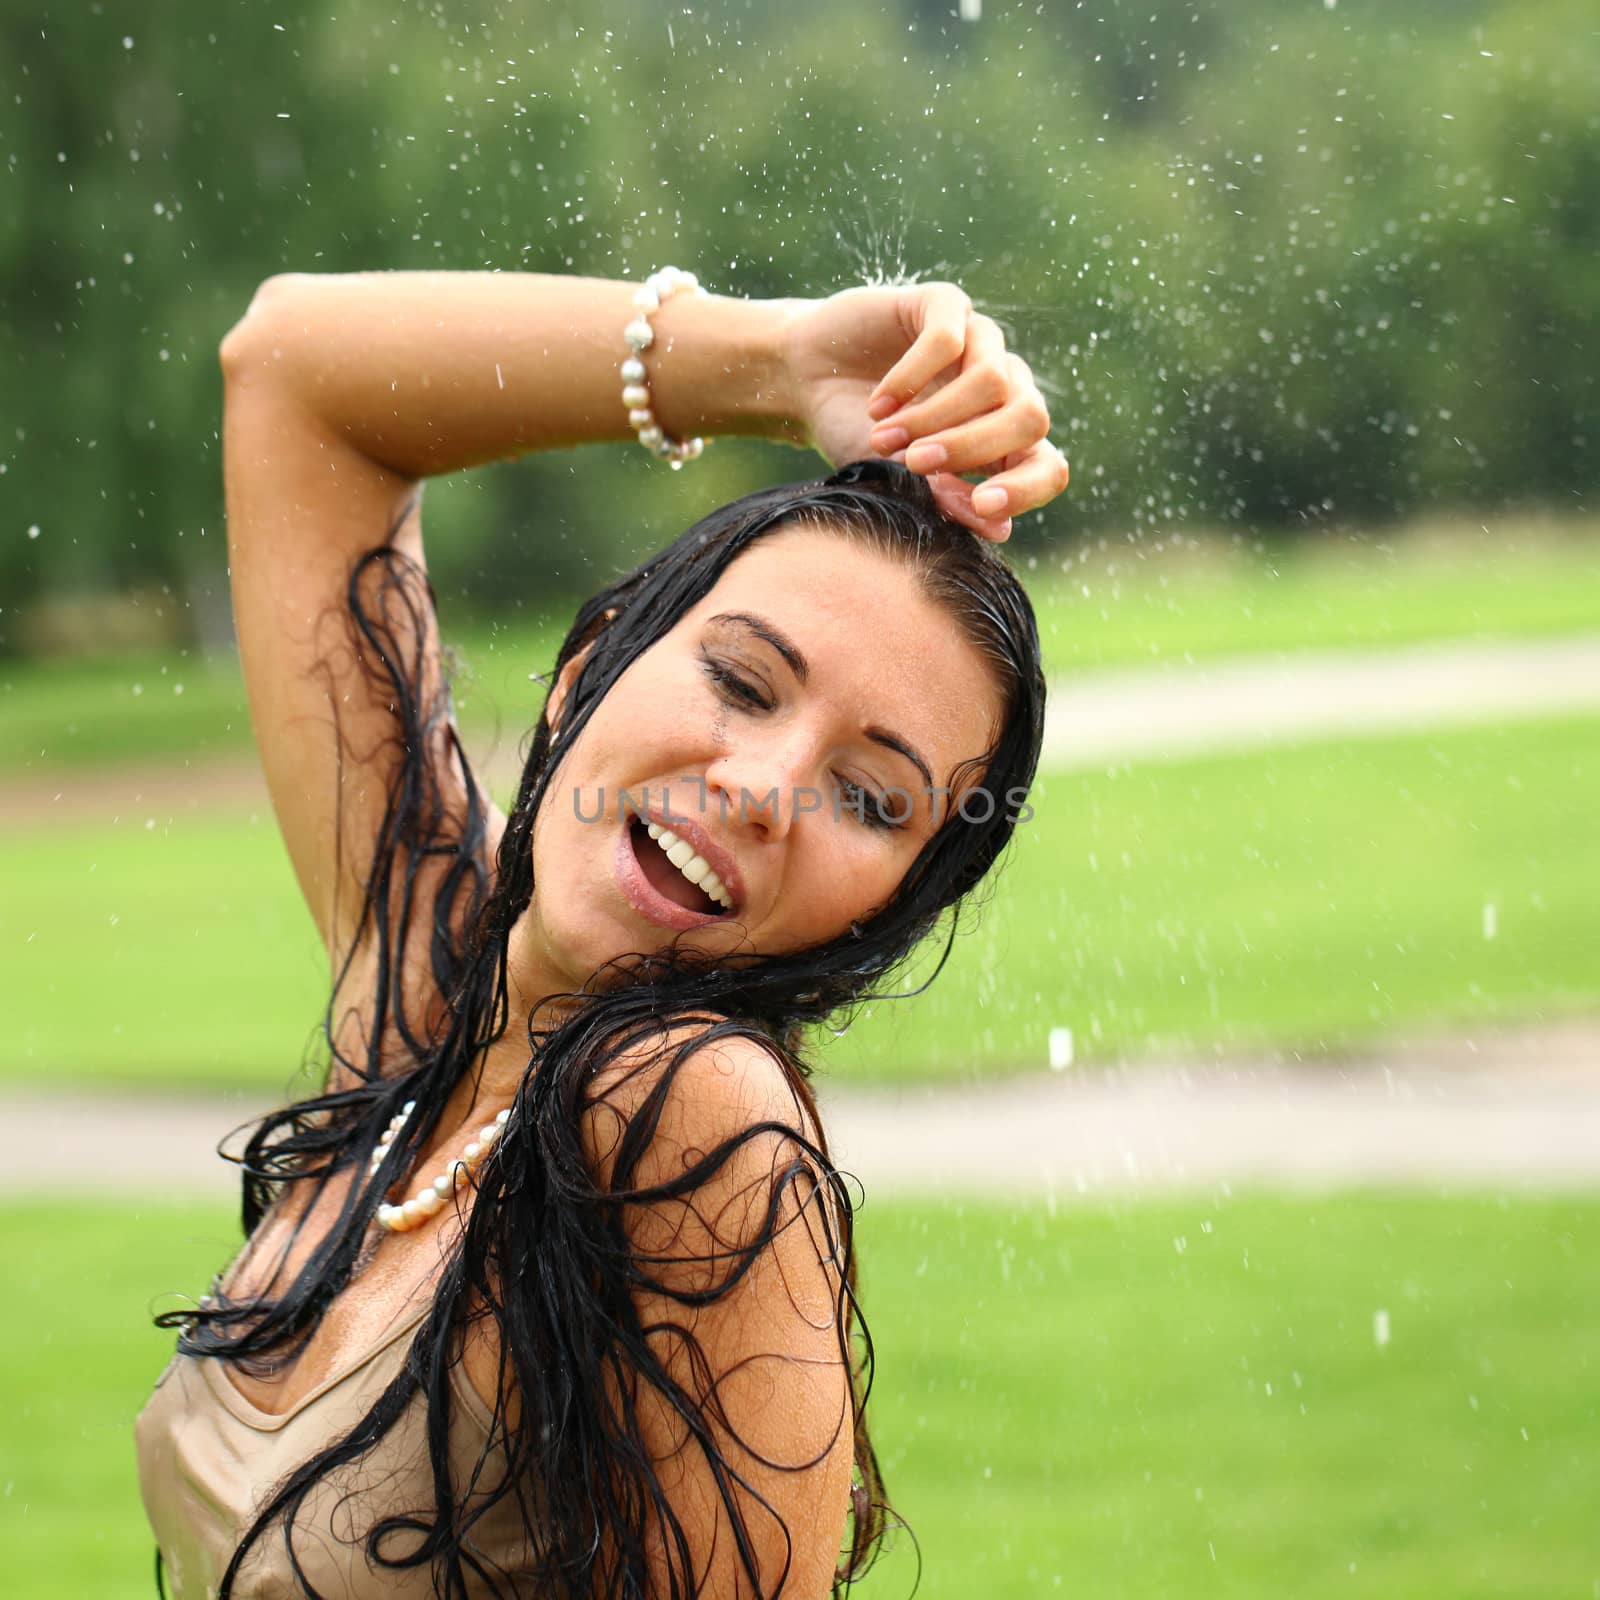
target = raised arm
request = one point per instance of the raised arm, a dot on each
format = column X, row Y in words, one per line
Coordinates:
column 429, row 372
column 341, row 392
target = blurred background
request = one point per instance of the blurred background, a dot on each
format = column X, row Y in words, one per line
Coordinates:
column 1311, row 287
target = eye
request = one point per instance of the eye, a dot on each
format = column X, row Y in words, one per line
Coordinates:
column 871, row 810
column 732, row 686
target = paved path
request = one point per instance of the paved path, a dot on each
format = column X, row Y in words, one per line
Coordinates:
column 1515, row 1109
column 1153, row 713
column 1179, row 709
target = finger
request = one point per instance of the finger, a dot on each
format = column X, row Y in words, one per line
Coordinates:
column 939, row 312
column 988, row 379
column 1029, row 420
column 1032, row 481
column 954, row 496
column 1017, row 426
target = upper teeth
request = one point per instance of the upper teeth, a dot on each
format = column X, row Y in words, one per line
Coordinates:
column 694, row 867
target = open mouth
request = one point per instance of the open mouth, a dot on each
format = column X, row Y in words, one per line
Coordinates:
column 676, row 872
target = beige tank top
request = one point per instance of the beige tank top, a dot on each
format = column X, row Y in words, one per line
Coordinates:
column 209, row 1459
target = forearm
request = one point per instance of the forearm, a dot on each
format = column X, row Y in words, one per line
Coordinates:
column 428, row 372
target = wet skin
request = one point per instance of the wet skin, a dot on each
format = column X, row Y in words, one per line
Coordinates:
column 815, row 668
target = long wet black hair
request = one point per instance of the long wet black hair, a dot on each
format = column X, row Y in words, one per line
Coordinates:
column 544, row 1258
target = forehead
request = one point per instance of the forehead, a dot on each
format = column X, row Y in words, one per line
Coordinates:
column 874, row 643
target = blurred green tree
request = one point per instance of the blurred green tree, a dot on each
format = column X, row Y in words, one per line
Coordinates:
column 1275, row 266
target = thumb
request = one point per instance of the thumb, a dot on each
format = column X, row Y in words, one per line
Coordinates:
column 954, row 496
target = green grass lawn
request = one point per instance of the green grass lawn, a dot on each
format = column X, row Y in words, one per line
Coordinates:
column 1104, row 603
column 60, row 715
column 1115, row 604
column 1155, row 1397
column 1308, row 895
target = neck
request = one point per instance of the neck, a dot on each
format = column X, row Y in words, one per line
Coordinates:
column 532, row 985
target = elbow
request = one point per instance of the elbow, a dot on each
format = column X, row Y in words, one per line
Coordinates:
column 241, row 347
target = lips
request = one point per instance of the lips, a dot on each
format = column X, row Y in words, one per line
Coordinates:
column 664, row 877
column 652, row 893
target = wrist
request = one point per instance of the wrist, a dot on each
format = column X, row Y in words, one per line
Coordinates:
column 786, row 394
column 720, row 366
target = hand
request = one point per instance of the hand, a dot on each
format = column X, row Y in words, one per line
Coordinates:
column 909, row 372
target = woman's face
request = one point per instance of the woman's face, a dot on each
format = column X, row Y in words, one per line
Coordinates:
column 793, row 731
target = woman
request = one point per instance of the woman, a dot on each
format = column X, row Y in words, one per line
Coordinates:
column 551, row 1290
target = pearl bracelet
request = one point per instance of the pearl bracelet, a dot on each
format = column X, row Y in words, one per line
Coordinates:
column 640, row 335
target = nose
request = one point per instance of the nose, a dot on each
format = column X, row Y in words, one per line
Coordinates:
column 759, row 787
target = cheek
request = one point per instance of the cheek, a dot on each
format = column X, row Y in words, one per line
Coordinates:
column 623, row 746
column 847, row 871
column 564, row 800
column 645, row 727
column 595, row 762
column 573, row 829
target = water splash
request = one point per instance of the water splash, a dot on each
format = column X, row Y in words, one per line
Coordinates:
column 879, row 251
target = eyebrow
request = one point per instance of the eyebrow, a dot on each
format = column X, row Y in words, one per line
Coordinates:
column 801, row 668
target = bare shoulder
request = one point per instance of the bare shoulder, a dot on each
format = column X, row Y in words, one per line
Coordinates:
column 740, row 1283
column 697, row 1089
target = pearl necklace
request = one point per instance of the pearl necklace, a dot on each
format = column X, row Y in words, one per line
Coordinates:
column 430, row 1200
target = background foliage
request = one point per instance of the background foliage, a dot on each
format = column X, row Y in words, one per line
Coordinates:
column 1279, row 263
column 1301, row 270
